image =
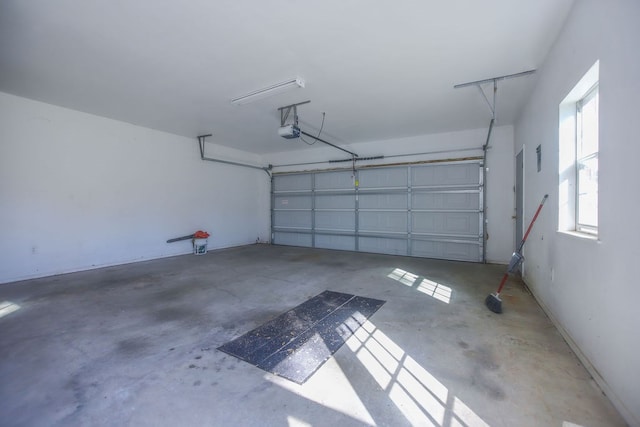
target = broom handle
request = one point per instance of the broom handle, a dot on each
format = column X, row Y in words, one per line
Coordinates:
column 544, row 199
column 502, row 282
column 506, row 275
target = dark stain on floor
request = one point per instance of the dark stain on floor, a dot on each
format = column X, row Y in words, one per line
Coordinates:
column 132, row 346
column 174, row 293
column 483, row 362
column 172, row 314
column 333, row 264
column 265, row 386
column 489, row 387
column 305, row 257
column 482, row 358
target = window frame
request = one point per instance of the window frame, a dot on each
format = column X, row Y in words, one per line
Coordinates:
column 581, row 159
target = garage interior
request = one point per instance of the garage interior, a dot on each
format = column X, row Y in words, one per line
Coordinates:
column 392, row 151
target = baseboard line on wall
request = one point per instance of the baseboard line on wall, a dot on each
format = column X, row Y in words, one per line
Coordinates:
column 599, row 381
column 111, row 264
column 87, row 268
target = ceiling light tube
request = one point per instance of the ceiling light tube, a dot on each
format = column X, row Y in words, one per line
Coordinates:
column 269, row 91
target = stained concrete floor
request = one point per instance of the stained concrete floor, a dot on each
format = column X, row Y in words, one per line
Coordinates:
column 135, row 345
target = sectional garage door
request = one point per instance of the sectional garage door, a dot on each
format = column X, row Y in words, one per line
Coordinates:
column 424, row 210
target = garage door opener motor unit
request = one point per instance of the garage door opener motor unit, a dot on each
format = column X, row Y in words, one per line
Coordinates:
column 289, row 131
column 293, row 131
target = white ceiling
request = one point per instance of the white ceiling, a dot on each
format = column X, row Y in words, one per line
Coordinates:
column 378, row 69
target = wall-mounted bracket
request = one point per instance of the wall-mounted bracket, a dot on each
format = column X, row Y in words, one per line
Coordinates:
column 492, row 107
column 478, row 83
column 286, row 110
column 201, row 141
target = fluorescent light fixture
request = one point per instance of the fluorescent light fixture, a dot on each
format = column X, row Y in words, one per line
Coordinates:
column 269, row 91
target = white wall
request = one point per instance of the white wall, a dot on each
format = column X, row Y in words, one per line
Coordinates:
column 79, row 191
column 590, row 287
column 500, row 177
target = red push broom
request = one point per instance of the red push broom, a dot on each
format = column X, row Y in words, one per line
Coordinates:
column 493, row 301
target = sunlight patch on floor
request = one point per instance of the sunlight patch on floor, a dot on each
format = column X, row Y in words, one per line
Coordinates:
column 329, row 387
column 436, row 290
column 422, row 284
column 403, row 277
column 7, row 307
column 421, row 398
column 296, row 422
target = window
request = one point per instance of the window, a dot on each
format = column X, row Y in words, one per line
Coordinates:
column 578, row 157
column 587, row 162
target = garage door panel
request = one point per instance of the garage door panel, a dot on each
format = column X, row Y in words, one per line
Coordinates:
column 334, row 181
column 347, row 201
column 445, row 175
column 383, row 201
column 381, row 245
column 460, row 251
column 292, row 202
column 295, row 182
column 383, row 221
column 427, row 210
column 295, row 219
column 444, row 201
column 292, row 239
column 383, row 178
column 336, row 221
column 456, row 223
column 346, row 243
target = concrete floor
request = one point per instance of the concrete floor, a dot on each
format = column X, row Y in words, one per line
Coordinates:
column 136, row 345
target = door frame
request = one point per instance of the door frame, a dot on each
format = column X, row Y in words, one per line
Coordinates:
column 519, row 200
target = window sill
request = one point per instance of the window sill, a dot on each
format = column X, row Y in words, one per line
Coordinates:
column 580, row 235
